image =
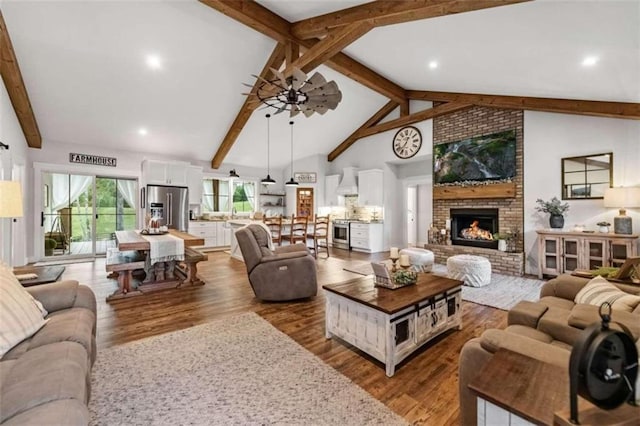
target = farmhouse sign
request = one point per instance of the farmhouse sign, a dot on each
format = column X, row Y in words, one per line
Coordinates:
column 94, row 160
column 305, row 177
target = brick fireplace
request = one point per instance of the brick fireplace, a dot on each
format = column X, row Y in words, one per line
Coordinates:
column 464, row 124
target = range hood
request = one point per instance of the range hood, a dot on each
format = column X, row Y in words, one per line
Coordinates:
column 348, row 185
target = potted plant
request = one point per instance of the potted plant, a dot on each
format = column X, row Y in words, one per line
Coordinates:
column 556, row 210
column 603, row 227
column 503, row 238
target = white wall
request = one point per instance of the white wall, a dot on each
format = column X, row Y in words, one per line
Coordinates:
column 15, row 157
column 55, row 156
column 375, row 152
column 550, row 137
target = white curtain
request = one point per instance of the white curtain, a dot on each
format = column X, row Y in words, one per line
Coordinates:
column 127, row 188
column 65, row 189
column 250, row 192
column 207, row 199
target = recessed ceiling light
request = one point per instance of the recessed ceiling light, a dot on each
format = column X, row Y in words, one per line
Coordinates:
column 590, row 61
column 433, row 65
column 142, row 131
column 154, row 62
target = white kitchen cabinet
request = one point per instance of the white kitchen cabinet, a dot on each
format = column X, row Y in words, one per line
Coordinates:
column 366, row 237
column 370, row 184
column 206, row 230
column 194, row 182
column 331, row 197
column 165, row 172
column 223, row 234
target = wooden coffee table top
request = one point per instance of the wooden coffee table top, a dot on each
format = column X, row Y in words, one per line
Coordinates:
column 390, row 301
column 46, row 274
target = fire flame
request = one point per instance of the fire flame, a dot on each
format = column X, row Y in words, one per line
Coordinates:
column 474, row 232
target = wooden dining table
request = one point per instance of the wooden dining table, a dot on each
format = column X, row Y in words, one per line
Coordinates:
column 133, row 253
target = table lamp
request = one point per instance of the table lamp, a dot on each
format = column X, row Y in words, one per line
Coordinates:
column 622, row 198
column 10, row 206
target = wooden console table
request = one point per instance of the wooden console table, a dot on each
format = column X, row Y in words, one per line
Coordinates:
column 389, row 324
column 515, row 389
column 561, row 252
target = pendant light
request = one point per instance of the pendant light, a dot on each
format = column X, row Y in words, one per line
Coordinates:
column 291, row 182
column 233, row 174
column 268, row 180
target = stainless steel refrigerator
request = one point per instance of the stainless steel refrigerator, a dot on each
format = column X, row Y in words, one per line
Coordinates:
column 170, row 204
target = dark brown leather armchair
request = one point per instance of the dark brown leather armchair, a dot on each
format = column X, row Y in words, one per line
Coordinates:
column 286, row 273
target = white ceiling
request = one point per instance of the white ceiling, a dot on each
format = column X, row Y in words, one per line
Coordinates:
column 83, row 63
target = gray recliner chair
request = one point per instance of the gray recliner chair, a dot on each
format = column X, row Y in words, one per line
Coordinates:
column 286, row 273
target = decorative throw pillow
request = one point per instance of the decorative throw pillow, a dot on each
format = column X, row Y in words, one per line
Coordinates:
column 599, row 290
column 20, row 315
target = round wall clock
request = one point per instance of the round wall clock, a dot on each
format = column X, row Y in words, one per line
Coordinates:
column 407, row 142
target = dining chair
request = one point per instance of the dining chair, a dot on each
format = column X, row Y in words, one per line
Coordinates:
column 298, row 231
column 275, row 226
column 320, row 233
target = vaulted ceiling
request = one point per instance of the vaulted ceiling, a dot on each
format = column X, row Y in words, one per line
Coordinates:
column 83, row 65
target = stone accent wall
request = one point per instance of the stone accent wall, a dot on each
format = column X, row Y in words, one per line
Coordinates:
column 478, row 121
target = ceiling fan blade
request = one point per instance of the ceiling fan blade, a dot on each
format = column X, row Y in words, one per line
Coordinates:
column 328, row 89
column 295, row 110
column 298, row 78
column 280, row 76
column 282, row 108
column 316, row 80
column 248, row 85
column 308, row 112
column 321, row 98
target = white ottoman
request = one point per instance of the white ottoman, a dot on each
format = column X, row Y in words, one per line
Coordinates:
column 421, row 260
column 475, row 271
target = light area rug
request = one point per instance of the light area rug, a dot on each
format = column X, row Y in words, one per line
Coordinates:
column 239, row 370
column 503, row 292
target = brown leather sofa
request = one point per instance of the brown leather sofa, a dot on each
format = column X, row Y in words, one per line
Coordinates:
column 46, row 379
column 286, row 273
column 544, row 330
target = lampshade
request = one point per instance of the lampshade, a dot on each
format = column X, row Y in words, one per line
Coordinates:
column 10, row 199
column 622, row 197
column 233, row 174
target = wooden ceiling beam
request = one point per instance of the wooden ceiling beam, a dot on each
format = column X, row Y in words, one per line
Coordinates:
column 416, row 117
column 256, row 16
column 328, row 47
column 250, row 104
column 626, row 110
column 381, row 13
column 268, row 23
column 16, row 89
column 372, row 121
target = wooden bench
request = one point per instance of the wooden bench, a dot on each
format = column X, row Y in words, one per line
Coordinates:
column 120, row 265
column 190, row 269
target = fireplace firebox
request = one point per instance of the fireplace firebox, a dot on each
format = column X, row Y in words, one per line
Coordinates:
column 474, row 227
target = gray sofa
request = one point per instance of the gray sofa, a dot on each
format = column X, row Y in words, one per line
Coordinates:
column 544, row 330
column 46, row 379
column 286, row 273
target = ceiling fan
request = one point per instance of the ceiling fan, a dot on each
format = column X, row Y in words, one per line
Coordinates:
column 297, row 93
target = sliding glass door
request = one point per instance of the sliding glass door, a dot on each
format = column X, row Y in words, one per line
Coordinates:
column 80, row 213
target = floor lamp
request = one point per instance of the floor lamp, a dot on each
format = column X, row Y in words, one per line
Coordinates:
column 622, row 198
column 10, row 207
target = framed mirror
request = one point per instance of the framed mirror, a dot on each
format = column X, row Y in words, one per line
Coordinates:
column 587, row 177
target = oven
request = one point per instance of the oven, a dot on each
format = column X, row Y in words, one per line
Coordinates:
column 341, row 235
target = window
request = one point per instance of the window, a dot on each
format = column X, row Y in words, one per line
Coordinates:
column 215, row 195
column 244, row 196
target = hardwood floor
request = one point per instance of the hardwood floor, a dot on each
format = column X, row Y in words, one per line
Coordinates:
column 424, row 389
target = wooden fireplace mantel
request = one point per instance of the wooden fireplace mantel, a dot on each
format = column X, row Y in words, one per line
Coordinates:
column 495, row 190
